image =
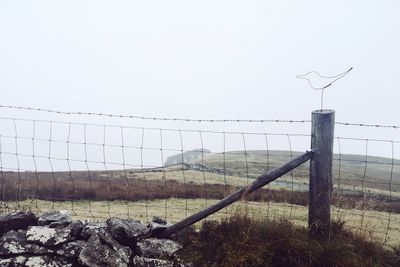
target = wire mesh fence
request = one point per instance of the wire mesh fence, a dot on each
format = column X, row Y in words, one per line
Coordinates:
column 98, row 169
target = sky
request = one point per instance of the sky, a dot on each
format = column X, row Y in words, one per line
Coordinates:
column 203, row 59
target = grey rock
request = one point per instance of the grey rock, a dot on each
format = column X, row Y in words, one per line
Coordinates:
column 16, row 221
column 124, row 252
column 127, row 232
column 158, row 248
column 34, row 249
column 76, row 228
column 58, row 224
column 147, row 262
column 159, row 220
column 47, row 261
column 18, row 261
column 158, row 224
column 71, row 249
column 57, row 241
column 49, row 236
column 35, row 261
column 15, row 243
column 55, row 218
column 97, row 253
column 90, row 228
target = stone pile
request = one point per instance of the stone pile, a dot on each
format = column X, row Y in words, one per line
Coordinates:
column 54, row 239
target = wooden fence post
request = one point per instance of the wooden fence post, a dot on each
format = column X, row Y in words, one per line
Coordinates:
column 322, row 135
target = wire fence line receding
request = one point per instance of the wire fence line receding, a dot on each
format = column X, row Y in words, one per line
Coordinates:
column 99, row 170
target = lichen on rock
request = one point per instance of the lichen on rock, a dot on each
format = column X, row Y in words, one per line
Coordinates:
column 59, row 241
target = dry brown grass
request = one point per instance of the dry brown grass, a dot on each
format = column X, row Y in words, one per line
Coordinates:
column 240, row 240
column 149, row 186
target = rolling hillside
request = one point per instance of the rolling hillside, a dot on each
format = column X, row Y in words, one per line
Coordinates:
column 349, row 170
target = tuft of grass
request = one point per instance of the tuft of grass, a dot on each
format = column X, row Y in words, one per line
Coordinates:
column 240, row 240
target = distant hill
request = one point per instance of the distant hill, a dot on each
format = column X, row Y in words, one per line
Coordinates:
column 187, row 157
column 375, row 172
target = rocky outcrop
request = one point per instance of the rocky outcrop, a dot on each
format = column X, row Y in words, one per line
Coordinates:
column 205, row 168
column 187, row 157
column 191, row 160
column 54, row 239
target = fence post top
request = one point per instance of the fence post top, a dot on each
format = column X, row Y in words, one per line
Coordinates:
column 323, row 111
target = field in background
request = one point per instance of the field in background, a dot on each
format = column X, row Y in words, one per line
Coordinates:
column 366, row 190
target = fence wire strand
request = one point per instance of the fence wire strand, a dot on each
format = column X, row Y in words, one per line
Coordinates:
column 80, row 113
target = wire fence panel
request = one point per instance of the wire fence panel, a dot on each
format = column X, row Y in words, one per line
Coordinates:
column 367, row 188
column 140, row 167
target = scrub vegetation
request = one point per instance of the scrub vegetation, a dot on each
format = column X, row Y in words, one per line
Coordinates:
column 240, row 240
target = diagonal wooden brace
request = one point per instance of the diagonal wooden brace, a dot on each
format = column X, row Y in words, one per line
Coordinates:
column 240, row 194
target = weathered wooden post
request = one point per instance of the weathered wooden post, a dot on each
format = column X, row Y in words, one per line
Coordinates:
column 322, row 135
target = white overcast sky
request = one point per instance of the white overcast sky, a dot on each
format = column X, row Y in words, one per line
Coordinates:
column 202, row 59
column 213, row 59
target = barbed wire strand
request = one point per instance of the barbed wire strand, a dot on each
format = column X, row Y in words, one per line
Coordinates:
column 80, row 113
column 191, row 120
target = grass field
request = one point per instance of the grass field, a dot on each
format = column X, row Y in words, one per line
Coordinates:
column 374, row 223
column 353, row 174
